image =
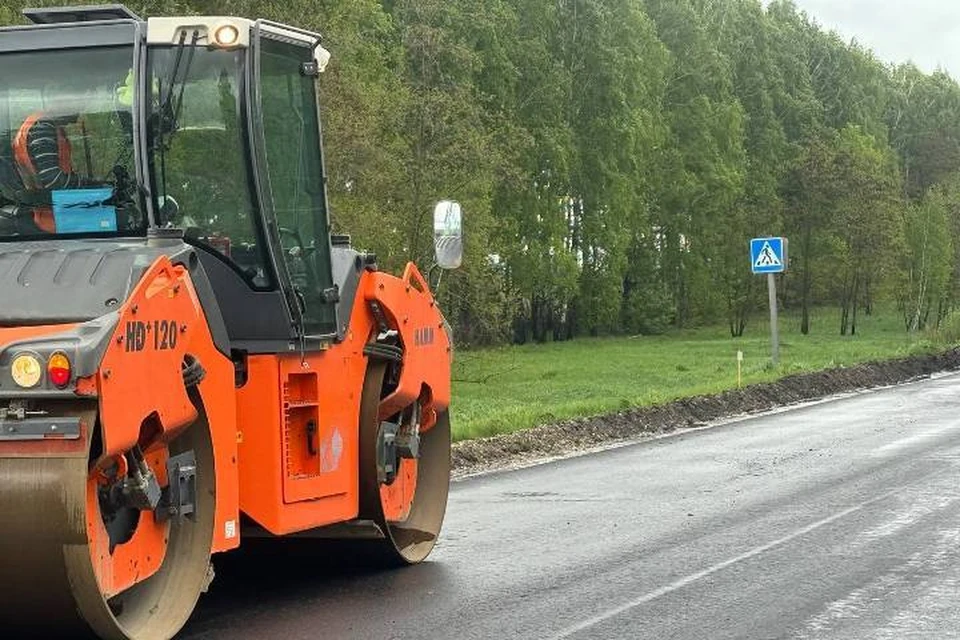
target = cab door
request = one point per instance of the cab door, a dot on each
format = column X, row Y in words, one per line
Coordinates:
column 289, row 161
column 318, row 408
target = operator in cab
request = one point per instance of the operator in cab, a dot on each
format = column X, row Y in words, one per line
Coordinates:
column 42, row 154
column 52, row 156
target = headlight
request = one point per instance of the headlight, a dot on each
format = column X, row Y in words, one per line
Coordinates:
column 226, row 36
column 26, row 370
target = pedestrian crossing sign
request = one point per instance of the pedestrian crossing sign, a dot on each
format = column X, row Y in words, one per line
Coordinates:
column 768, row 255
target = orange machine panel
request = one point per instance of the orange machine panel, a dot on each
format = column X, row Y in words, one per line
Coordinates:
column 321, row 405
column 299, row 453
column 141, row 376
column 411, row 310
column 140, row 373
column 298, row 414
column 301, row 414
column 259, row 443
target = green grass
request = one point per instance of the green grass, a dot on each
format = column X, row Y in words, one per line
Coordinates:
column 512, row 388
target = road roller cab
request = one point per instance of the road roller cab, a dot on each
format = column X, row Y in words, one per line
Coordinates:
column 187, row 356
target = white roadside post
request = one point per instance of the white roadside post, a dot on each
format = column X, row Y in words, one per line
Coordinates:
column 769, row 256
column 739, row 369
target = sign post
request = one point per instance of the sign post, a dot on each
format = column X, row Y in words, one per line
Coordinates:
column 769, row 256
column 774, row 319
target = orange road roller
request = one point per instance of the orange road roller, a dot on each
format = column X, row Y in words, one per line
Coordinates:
column 188, row 356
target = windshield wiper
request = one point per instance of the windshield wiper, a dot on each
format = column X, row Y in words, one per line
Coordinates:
column 169, row 114
column 171, row 104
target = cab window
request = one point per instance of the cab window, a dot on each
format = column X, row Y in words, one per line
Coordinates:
column 199, row 158
column 66, row 145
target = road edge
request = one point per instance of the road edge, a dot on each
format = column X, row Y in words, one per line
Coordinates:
column 580, row 436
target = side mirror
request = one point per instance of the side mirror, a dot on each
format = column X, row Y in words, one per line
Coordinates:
column 448, row 234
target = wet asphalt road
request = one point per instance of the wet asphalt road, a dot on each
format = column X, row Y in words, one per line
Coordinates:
column 833, row 521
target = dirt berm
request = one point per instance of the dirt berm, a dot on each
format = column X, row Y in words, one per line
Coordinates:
column 571, row 436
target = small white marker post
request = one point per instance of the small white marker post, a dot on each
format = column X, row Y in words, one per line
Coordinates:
column 769, row 256
column 739, row 369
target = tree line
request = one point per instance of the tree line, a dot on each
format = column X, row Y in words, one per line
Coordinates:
column 614, row 157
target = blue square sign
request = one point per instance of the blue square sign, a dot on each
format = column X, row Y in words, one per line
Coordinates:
column 768, row 255
column 84, row 210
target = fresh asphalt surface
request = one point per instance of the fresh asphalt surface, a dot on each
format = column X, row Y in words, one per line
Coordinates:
column 835, row 520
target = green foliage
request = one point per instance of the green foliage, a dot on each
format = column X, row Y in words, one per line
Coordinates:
column 928, row 259
column 948, row 333
column 924, row 129
column 646, row 311
column 865, row 218
column 615, row 156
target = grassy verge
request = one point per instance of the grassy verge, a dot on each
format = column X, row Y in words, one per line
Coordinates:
column 513, row 388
